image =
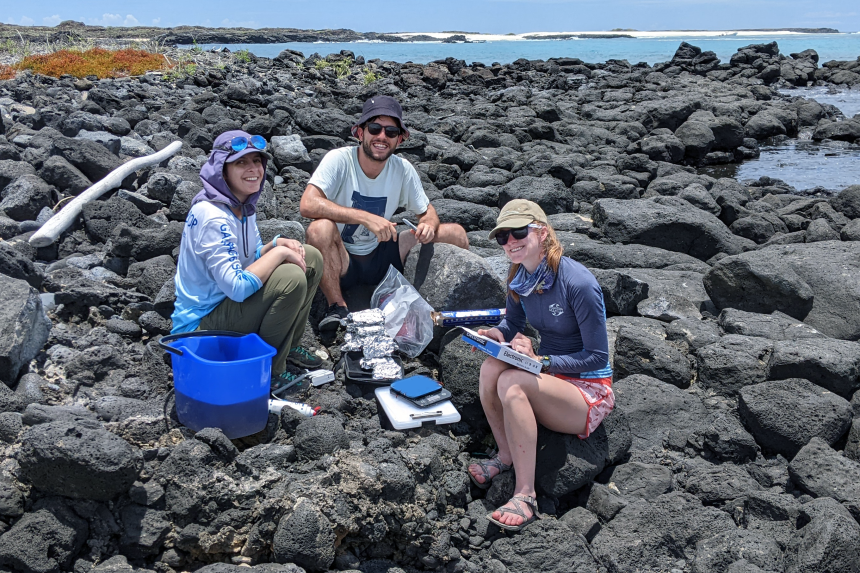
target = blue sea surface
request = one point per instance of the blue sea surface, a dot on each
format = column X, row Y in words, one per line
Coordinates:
column 847, row 100
column 650, row 50
column 801, row 164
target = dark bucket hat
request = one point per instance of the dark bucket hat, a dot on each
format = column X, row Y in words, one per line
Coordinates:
column 381, row 105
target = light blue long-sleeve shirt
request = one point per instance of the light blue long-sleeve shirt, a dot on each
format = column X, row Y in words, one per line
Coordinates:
column 216, row 249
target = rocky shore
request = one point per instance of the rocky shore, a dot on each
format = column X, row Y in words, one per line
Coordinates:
column 734, row 316
column 71, row 31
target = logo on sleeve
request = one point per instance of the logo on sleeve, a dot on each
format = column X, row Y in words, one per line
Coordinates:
column 556, row 310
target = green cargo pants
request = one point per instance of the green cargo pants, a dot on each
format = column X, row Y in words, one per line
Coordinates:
column 278, row 312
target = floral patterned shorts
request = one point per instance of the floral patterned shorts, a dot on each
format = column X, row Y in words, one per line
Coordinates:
column 598, row 394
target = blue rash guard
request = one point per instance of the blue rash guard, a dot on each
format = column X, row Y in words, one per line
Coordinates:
column 571, row 320
column 216, row 248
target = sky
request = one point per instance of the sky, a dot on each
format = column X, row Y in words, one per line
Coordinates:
column 487, row 16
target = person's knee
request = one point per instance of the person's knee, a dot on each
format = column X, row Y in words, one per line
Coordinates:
column 321, row 232
column 488, row 378
column 510, row 386
column 406, row 240
column 454, row 234
column 289, row 278
column 492, row 367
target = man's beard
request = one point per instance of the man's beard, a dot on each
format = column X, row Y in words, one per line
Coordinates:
column 367, row 147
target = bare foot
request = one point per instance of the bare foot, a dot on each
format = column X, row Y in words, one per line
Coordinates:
column 478, row 473
column 509, row 518
column 493, row 469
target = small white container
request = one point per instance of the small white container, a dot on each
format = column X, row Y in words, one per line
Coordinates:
column 398, row 414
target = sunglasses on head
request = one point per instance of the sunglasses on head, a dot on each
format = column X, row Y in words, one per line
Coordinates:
column 391, row 131
column 241, row 142
column 519, row 234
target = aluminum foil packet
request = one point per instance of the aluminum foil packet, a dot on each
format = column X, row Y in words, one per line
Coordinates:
column 370, row 363
column 379, row 346
column 369, row 317
column 366, row 331
column 351, row 342
column 383, row 368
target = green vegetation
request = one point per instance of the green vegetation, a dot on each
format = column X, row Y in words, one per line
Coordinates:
column 20, row 49
column 342, row 67
column 243, row 56
column 370, row 76
column 180, row 71
column 185, row 67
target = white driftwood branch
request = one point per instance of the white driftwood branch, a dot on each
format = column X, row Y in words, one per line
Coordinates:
column 54, row 227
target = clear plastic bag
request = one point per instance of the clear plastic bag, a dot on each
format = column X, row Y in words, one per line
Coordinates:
column 407, row 314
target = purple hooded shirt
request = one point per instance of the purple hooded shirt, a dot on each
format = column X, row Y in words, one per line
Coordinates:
column 215, row 188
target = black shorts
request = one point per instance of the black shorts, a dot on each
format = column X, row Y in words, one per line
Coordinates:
column 370, row 269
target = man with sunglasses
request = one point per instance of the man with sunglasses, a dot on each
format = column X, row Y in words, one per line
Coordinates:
column 352, row 196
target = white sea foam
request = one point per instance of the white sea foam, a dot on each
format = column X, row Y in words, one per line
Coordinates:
column 633, row 33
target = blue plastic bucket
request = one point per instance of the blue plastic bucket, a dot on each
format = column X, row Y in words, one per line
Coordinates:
column 221, row 380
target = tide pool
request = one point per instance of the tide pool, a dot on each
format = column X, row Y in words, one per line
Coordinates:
column 801, row 164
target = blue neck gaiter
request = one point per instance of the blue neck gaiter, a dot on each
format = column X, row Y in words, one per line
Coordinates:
column 542, row 279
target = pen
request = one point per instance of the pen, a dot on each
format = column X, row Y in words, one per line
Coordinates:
column 425, row 414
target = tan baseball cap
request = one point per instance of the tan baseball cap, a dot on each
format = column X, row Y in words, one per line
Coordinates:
column 518, row 213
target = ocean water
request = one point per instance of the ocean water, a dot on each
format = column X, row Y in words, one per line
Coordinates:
column 847, row 100
column 801, row 164
column 650, row 50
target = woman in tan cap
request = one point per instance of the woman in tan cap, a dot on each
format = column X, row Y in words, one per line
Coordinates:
column 573, row 392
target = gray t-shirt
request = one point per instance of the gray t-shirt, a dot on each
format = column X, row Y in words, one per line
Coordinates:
column 341, row 179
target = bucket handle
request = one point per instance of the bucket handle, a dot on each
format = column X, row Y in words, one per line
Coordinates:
column 172, row 337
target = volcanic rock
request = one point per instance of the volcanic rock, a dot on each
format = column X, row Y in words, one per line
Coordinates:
column 640, row 397
column 78, row 460
column 817, row 283
column 675, row 226
column 784, row 415
column 25, row 327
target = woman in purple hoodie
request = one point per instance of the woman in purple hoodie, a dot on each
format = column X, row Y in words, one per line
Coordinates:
column 226, row 278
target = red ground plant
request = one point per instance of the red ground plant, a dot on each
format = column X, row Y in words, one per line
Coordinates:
column 93, row 62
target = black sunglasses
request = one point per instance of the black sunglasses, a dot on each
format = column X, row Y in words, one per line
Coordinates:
column 391, row 131
column 518, row 234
